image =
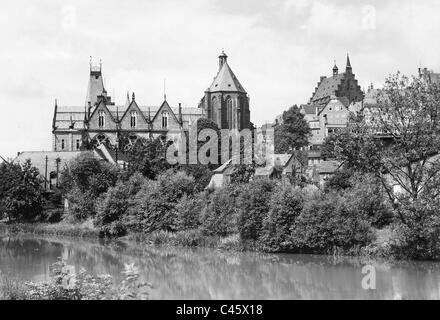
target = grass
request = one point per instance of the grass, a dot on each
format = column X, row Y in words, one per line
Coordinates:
column 67, row 229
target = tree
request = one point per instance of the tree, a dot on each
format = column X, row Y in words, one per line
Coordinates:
column 400, row 140
column 20, row 191
column 293, row 132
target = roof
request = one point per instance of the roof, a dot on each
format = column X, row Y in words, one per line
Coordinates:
column 223, row 167
column 329, row 166
column 282, row 159
column 264, row 171
column 226, row 81
column 309, row 109
column 328, row 87
column 38, row 159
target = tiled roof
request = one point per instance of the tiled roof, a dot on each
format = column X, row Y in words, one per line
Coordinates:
column 328, row 87
column 264, row 171
column 226, row 81
column 223, row 167
column 309, row 109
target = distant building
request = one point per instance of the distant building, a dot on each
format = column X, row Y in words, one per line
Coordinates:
column 339, row 85
column 226, row 102
column 429, row 75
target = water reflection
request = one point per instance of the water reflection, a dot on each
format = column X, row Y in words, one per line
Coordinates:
column 178, row 273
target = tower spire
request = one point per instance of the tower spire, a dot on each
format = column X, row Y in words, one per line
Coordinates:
column 348, row 62
column 165, row 89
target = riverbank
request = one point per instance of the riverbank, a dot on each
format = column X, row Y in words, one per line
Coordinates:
column 63, row 229
column 380, row 248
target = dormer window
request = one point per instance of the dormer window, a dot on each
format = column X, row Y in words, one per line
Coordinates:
column 165, row 119
column 133, row 119
column 101, row 119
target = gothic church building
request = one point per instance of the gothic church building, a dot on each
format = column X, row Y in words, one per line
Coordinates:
column 102, row 121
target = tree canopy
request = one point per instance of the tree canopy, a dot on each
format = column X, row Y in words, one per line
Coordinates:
column 293, row 132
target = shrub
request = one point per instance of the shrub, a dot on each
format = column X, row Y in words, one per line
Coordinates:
column 327, row 223
column 253, row 207
column 20, row 191
column 188, row 212
column 81, row 204
column 219, row 217
column 154, row 206
column 286, row 205
column 113, row 205
column 419, row 237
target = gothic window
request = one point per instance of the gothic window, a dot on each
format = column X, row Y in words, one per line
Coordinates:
column 101, row 119
column 62, row 144
column 133, row 119
column 214, row 110
column 77, row 144
column 165, row 119
column 229, row 111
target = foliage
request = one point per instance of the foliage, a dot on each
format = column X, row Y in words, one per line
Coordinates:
column 20, row 191
column 89, row 175
column 155, row 203
column 113, row 206
column 419, row 237
column 188, row 212
column 68, row 284
column 243, row 173
column 293, row 132
column 81, row 204
column 286, row 205
column 328, row 223
column 201, row 174
column 219, row 217
column 341, row 180
column 253, row 207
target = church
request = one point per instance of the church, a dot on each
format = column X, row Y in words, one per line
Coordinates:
column 101, row 121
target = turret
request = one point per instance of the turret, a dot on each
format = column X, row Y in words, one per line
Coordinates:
column 223, row 58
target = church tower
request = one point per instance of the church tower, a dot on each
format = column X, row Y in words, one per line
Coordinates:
column 225, row 101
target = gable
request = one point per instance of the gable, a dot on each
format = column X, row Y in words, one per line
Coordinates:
column 141, row 121
column 173, row 122
column 109, row 123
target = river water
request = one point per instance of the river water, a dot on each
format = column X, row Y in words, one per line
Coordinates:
column 181, row 273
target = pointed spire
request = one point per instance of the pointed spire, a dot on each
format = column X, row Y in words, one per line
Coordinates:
column 127, row 102
column 149, row 114
column 133, row 97
column 348, row 62
column 165, row 89
column 117, row 114
column 55, row 114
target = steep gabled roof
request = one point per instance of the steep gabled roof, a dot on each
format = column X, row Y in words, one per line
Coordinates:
column 164, row 105
column 328, row 87
column 226, row 81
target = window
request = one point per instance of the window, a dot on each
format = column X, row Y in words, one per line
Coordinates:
column 229, row 112
column 62, row 144
column 214, row 109
column 133, row 119
column 101, row 119
column 165, row 119
column 77, row 144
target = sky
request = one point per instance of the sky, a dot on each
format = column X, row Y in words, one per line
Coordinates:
column 278, row 49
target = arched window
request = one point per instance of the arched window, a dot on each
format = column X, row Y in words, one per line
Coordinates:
column 101, row 119
column 165, row 119
column 214, row 109
column 133, row 119
column 62, row 144
column 229, row 112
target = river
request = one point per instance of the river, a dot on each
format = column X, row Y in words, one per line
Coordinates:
column 183, row 273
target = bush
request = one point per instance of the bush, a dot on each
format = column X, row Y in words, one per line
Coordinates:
column 113, row 205
column 188, row 211
column 81, row 204
column 328, row 223
column 286, row 205
column 219, row 217
column 154, row 206
column 253, row 207
column 20, row 192
column 419, row 237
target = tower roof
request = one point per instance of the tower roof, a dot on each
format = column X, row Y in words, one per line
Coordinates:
column 226, row 80
column 96, row 85
column 348, row 62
